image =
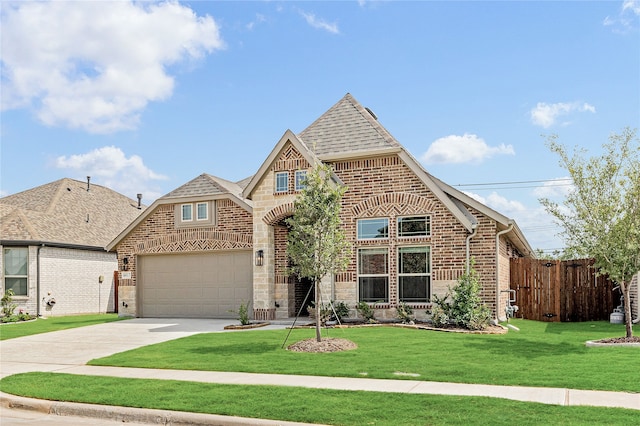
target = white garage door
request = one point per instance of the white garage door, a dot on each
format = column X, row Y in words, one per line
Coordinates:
column 194, row 285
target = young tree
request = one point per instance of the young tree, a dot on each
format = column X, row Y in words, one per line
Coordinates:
column 316, row 244
column 601, row 215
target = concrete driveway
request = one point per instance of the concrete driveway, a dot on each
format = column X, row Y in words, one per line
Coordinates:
column 59, row 350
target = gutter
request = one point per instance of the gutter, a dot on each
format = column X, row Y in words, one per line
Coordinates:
column 23, row 243
column 474, row 227
column 38, row 281
column 498, row 235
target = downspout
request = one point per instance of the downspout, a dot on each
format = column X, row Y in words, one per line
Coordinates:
column 38, row 281
column 474, row 231
column 498, row 235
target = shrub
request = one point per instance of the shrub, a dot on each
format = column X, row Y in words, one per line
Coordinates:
column 404, row 312
column 243, row 313
column 7, row 303
column 366, row 311
column 341, row 310
column 465, row 309
column 329, row 311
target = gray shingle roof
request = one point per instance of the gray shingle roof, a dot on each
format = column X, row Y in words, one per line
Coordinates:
column 65, row 212
column 205, row 185
column 346, row 127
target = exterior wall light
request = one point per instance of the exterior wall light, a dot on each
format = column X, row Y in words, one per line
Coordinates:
column 259, row 257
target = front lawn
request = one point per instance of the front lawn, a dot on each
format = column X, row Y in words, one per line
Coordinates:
column 540, row 354
column 307, row 405
column 45, row 325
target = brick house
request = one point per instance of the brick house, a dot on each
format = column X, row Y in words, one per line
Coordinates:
column 53, row 240
column 212, row 244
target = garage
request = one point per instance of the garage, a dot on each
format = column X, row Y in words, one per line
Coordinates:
column 199, row 285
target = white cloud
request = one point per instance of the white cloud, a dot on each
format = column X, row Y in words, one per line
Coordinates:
column 538, row 226
column 627, row 18
column 546, row 115
column 95, row 65
column 556, row 188
column 320, row 23
column 467, row 148
column 111, row 168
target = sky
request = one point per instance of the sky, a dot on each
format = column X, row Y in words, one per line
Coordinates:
column 144, row 96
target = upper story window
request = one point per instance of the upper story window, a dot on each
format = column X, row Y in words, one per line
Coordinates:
column 301, row 175
column 187, row 213
column 195, row 214
column 16, row 262
column 373, row 228
column 282, row 181
column 414, row 226
column 202, row 211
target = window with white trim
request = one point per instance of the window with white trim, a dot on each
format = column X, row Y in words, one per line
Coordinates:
column 301, row 175
column 202, row 211
column 187, row 212
column 373, row 275
column 373, row 228
column 282, row 181
column 414, row 226
column 414, row 274
column 16, row 267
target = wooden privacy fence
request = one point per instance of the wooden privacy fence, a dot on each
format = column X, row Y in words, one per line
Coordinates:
column 553, row 290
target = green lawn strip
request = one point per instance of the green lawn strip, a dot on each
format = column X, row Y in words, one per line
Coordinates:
column 541, row 354
column 45, row 325
column 304, row 405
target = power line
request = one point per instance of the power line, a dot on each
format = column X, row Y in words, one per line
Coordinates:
column 568, row 180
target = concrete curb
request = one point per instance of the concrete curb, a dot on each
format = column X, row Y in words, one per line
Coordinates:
column 132, row 415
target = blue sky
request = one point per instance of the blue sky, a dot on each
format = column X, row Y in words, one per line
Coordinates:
column 145, row 96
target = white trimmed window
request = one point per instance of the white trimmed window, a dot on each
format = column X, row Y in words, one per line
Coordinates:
column 373, row 275
column 187, row 213
column 414, row 226
column 16, row 262
column 282, row 181
column 373, row 228
column 301, row 175
column 414, row 274
column 202, row 211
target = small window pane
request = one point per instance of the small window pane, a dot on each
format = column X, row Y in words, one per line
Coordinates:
column 414, row 226
column 15, row 261
column 18, row 285
column 187, row 214
column 202, row 211
column 373, row 228
column 413, row 260
column 414, row 289
column 373, row 289
column 373, row 262
column 301, row 175
column 282, row 182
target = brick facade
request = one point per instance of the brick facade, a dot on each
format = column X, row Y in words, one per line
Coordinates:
column 159, row 234
column 377, row 187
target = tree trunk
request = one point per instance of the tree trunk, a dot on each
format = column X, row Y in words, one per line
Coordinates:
column 316, row 283
column 626, row 290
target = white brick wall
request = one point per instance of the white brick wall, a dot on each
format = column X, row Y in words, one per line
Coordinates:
column 71, row 277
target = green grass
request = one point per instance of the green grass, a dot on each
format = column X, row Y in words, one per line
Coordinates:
column 541, row 354
column 307, row 405
column 42, row 325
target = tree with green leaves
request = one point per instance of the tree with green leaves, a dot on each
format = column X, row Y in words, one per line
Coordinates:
column 601, row 214
column 316, row 244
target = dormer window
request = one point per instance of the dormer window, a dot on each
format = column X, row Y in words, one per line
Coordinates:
column 187, row 212
column 301, row 175
column 202, row 211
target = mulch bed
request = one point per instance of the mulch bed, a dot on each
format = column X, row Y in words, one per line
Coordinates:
column 327, row 344
column 613, row 340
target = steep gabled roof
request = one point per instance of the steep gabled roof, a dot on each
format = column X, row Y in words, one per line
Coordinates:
column 65, row 212
column 202, row 187
column 287, row 137
column 347, row 129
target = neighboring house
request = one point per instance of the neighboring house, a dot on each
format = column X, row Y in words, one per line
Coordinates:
column 210, row 245
column 53, row 240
